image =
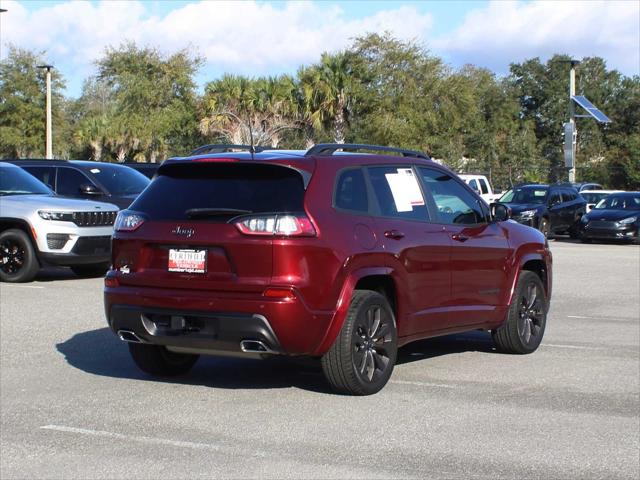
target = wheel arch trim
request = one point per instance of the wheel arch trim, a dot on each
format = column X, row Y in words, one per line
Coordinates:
column 344, row 299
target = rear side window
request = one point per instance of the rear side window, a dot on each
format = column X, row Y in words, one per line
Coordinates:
column 246, row 188
column 473, row 184
column 351, row 191
column 398, row 193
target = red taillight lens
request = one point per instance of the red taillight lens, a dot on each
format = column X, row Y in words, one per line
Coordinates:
column 111, row 282
column 128, row 221
column 286, row 225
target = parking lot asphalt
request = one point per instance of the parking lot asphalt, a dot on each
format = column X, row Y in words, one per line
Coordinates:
column 73, row 405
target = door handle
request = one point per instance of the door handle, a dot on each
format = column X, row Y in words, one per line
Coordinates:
column 395, row 234
column 460, row 237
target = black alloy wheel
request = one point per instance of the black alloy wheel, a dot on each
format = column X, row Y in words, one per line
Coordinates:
column 545, row 227
column 361, row 359
column 371, row 339
column 531, row 315
column 18, row 262
column 526, row 320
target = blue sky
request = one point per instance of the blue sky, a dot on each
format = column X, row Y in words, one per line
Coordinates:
column 267, row 38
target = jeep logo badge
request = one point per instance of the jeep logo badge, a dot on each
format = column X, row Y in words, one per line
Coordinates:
column 183, row 232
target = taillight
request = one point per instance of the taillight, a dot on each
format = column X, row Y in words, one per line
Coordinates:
column 128, row 221
column 214, row 160
column 287, row 225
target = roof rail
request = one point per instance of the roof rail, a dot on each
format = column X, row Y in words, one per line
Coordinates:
column 224, row 147
column 330, row 148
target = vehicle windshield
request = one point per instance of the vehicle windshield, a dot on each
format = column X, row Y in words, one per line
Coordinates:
column 619, row 202
column 525, row 195
column 594, row 197
column 15, row 181
column 119, row 180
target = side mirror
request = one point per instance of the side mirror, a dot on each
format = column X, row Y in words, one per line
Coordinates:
column 500, row 212
column 90, row 189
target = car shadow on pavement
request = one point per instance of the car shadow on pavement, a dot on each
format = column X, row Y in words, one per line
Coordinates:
column 100, row 352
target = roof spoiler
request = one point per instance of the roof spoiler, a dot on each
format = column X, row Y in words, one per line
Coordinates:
column 330, row 148
column 226, row 147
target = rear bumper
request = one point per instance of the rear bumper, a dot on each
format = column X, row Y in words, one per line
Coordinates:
column 219, row 332
column 215, row 322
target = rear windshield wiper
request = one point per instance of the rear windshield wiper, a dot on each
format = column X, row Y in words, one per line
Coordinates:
column 214, row 212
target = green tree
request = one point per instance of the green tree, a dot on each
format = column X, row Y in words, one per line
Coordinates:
column 154, row 102
column 23, row 105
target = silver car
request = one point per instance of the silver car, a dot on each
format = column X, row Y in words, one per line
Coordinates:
column 38, row 228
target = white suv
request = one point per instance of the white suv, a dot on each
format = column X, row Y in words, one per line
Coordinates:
column 39, row 228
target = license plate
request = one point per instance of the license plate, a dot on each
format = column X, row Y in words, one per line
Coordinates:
column 187, row 261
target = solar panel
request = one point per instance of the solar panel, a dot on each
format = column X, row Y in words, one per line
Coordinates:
column 590, row 108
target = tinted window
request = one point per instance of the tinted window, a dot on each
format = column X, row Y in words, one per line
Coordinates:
column 594, row 197
column 620, row 202
column 351, row 191
column 455, row 204
column 555, row 198
column 69, row 181
column 483, row 186
column 569, row 196
column 15, row 181
column 398, row 193
column 118, row 179
column 46, row 175
column 253, row 188
column 525, row 195
column 473, row 184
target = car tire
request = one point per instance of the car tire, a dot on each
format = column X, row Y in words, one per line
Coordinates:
column 544, row 227
column 156, row 360
column 94, row 270
column 18, row 261
column 526, row 320
column 361, row 359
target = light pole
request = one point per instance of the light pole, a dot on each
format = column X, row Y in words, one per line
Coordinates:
column 572, row 118
column 49, row 144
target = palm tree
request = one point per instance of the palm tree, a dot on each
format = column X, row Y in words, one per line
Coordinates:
column 245, row 111
column 326, row 93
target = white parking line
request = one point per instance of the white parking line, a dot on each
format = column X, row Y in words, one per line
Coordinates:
column 579, row 316
column 134, row 438
column 422, row 384
column 575, row 347
column 20, row 286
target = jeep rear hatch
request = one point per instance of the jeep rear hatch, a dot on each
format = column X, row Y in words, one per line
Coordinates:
column 210, row 226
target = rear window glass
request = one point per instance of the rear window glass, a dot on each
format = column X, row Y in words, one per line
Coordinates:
column 247, row 188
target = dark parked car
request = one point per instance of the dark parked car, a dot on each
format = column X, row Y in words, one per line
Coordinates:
column 103, row 182
column 580, row 186
column 552, row 209
column 341, row 256
column 617, row 217
column 147, row 169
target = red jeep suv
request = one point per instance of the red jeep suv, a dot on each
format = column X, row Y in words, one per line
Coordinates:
column 332, row 253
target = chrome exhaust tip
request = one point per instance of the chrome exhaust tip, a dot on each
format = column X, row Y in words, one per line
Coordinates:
column 254, row 346
column 129, row 336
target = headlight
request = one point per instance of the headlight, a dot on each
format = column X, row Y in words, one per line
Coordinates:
column 627, row 221
column 527, row 214
column 60, row 216
column 584, row 219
